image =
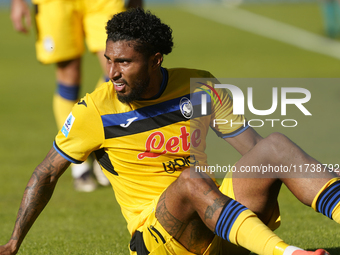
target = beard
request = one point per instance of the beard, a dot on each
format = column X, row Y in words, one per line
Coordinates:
column 140, row 87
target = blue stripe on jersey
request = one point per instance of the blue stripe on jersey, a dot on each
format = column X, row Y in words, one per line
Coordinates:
column 150, row 111
column 64, row 155
column 230, row 212
column 141, row 113
column 328, row 199
column 196, row 98
column 237, row 132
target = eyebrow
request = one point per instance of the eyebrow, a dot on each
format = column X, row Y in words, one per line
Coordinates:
column 118, row 59
column 123, row 59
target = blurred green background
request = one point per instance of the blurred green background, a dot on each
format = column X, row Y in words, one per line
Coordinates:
column 77, row 223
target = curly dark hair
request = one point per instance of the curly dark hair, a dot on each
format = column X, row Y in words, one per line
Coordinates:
column 148, row 34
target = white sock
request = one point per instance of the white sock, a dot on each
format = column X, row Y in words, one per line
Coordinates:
column 290, row 249
column 79, row 169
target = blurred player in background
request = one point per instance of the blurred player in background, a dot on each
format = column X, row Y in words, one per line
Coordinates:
column 331, row 15
column 62, row 27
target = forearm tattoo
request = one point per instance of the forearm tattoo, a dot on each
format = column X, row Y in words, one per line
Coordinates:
column 37, row 193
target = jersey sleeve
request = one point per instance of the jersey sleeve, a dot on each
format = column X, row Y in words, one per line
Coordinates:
column 223, row 121
column 81, row 133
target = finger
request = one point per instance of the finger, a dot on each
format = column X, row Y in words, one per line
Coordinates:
column 28, row 20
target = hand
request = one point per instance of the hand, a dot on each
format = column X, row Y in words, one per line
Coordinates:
column 20, row 15
column 7, row 249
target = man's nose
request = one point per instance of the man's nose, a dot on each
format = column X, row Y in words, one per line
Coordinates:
column 114, row 72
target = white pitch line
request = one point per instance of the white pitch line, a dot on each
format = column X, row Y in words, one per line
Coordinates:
column 267, row 27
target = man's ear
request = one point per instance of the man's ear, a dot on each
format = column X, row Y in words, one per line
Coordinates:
column 157, row 60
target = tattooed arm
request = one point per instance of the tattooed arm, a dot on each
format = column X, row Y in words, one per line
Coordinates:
column 37, row 194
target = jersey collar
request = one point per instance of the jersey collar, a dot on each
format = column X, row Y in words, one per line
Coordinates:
column 163, row 85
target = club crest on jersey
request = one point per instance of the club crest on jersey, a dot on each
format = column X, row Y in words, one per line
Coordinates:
column 186, row 107
column 68, row 125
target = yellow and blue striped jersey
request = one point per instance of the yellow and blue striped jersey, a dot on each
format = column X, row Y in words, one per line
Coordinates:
column 144, row 146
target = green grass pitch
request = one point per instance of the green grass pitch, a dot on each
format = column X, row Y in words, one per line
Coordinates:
column 76, row 223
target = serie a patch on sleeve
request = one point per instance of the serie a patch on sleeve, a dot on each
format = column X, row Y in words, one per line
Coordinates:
column 68, row 125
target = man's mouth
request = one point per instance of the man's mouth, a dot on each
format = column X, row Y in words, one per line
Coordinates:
column 119, row 86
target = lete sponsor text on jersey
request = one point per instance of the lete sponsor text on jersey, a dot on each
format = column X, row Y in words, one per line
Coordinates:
column 156, row 145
